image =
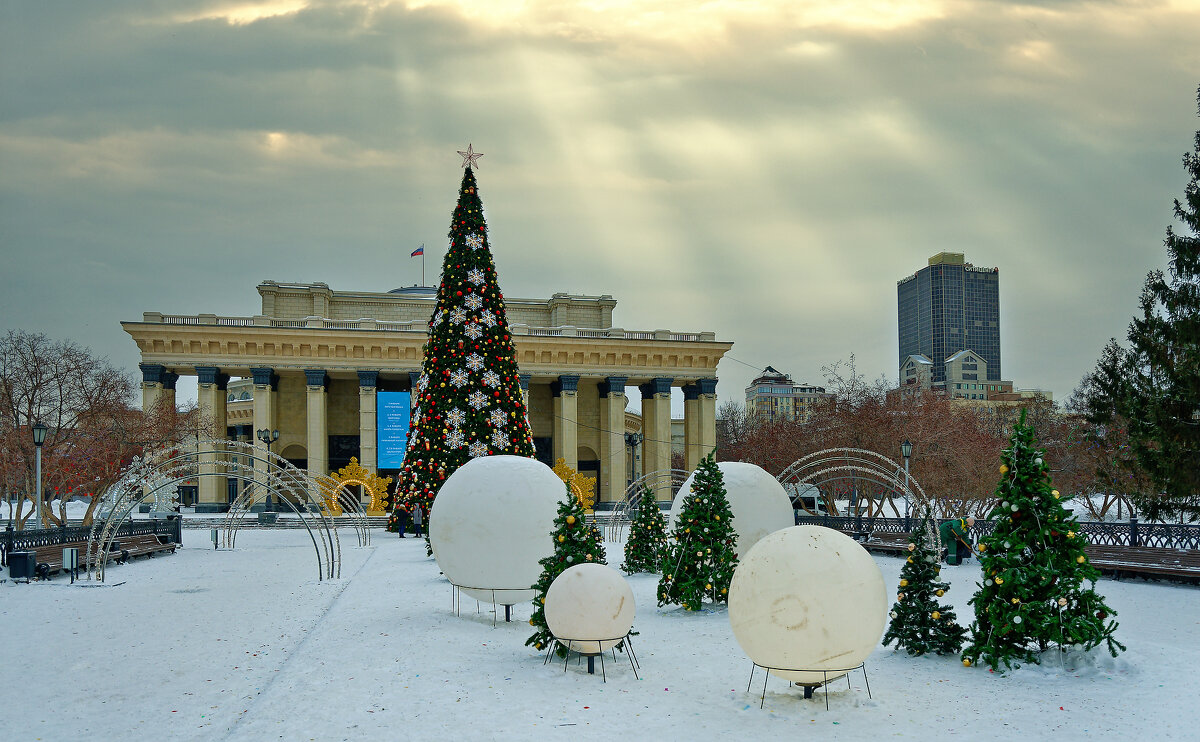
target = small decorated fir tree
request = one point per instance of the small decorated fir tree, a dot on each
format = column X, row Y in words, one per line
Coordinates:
column 920, row 624
column 647, row 536
column 468, row 398
column 698, row 564
column 1034, row 594
column 575, row 542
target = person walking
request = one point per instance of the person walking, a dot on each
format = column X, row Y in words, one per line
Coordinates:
column 402, row 520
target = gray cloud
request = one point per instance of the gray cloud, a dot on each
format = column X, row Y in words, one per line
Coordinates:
column 769, row 177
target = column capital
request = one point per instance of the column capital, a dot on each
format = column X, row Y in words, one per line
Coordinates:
column 414, row 378
column 564, row 383
column 691, row 391
column 212, row 375
column 368, row 377
column 316, row 378
column 655, row 387
column 525, row 379
column 168, row 379
column 613, row 385
column 264, row 376
column 151, row 373
column 707, row 386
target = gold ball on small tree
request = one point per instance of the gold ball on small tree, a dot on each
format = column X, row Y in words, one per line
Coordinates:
column 940, row 593
column 935, row 615
column 1080, row 559
column 1003, row 469
column 570, row 520
column 903, row 583
column 966, row 661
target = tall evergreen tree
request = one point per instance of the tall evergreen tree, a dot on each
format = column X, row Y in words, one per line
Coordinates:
column 647, row 536
column 920, row 622
column 699, row 561
column 468, row 397
column 1033, row 594
column 1153, row 388
column 575, row 542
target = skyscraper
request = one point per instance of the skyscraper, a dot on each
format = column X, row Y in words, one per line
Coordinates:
column 949, row 306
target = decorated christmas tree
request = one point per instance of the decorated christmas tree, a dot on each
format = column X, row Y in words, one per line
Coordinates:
column 699, row 561
column 575, row 542
column 647, row 536
column 1038, row 587
column 920, row 624
column 468, row 398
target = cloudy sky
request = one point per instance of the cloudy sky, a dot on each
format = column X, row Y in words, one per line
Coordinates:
column 763, row 169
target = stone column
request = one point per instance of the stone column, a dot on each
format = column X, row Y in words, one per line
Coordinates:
column 210, row 397
column 612, row 439
column 317, row 441
column 566, row 419
column 706, row 416
column 367, row 378
column 266, row 384
column 656, row 426
column 691, row 426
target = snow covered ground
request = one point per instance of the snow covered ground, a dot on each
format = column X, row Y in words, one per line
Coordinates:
column 249, row 645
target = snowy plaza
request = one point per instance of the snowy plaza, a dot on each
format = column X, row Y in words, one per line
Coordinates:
column 247, row 644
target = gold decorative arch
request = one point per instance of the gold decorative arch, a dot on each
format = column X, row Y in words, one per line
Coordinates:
column 352, row 474
column 582, row 485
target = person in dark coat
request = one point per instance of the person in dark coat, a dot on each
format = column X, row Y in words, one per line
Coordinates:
column 402, row 520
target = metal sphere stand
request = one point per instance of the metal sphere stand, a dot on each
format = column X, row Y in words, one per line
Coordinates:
column 808, row 687
column 621, row 641
column 456, row 600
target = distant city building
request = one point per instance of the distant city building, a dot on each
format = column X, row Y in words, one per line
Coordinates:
column 947, row 307
column 773, row 396
column 965, row 378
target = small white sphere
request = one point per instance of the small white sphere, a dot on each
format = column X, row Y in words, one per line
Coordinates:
column 590, row 608
column 811, row 598
column 490, row 525
column 758, row 501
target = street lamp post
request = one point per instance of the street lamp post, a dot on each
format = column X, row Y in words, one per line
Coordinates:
column 631, row 441
column 906, row 452
column 39, row 437
column 268, row 437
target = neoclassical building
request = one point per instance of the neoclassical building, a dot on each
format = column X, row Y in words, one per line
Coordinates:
column 317, row 359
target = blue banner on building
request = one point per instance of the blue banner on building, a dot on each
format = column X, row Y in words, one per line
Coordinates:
column 392, row 417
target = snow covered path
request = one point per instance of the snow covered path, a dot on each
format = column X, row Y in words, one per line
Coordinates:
column 248, row 645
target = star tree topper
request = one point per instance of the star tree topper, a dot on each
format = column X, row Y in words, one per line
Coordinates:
column 470, row 157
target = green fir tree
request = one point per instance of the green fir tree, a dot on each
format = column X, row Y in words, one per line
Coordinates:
column 468, row 397
column 920, row 623
column 1038, row 587
column 699, row 561
column 575, row 542
column 647, row 536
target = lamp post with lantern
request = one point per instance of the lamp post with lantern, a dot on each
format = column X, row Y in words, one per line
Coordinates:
column 268, row 437
column 39, row 437
column 906, row 452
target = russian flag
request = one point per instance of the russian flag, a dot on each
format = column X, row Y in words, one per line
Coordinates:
column 419, row 251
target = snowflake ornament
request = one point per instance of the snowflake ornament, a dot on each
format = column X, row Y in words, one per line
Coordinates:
column 478, row 400
column 498, row 418
column 455, row 417
column 473, row 301
column 437, row 318
column 474, row 361
column 492, row 379
column 458, row 377
column 458, row 315
column 455, row 439
column 473, row 331
column 499, row 439
column 477, row 449
column 475, row 276
column 488, row 319
column 475, row 241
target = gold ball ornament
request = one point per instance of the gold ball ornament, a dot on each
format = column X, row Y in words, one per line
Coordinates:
column 707, row 586
column 940, row 593
column 561, row 538
column 1062, row 602
column 1015, row 601
column 1070, row 534
column 912, row 547
column 999, row 580
column 1080, row 559
column 1003, row 469
column 935, row 615
column 966, row 661
column 903, row 583
column 981, row 547
column 570, row 520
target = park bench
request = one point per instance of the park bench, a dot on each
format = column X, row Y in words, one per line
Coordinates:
column 147, row 544
column 1145, row 561
column 888, row 543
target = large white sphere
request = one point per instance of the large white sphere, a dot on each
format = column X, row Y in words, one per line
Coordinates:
column 808, row 597
column 590, row 608
column 490, row 525
column 758, row 501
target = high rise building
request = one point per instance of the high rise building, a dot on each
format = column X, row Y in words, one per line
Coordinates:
column 773, row 396
column 950, row 306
